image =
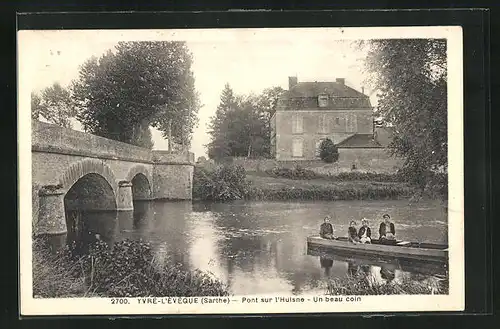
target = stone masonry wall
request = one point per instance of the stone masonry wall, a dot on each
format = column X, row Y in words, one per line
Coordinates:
column 46, row 136
column 369, row 160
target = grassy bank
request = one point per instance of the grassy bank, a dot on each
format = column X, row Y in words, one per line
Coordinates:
column 129, row 269
column 231, row 182
column 266, row 187
column 358, row 285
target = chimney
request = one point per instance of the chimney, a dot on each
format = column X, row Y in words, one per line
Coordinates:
column 362, row 90
column 340, row 81
column 292, row 81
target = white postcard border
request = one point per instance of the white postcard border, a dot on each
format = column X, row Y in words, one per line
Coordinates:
column 455, row 301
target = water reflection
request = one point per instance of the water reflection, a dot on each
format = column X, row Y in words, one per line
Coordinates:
column 86, row 227
column 260, row 247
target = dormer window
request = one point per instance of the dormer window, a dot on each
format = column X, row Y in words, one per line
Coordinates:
column 323, row 100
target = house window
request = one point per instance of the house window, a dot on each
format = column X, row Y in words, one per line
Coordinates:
column 297, row 147
column 297, row 124
column 351, row 123
column 322, row 124
column 337, row 121
column 323, row 100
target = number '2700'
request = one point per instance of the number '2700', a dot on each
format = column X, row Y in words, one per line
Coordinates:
column 119, row 301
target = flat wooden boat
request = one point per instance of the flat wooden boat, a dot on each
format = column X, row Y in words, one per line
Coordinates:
column 399, row 249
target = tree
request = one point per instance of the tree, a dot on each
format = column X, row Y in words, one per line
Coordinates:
column 218, row 147
column 138, row 85
column 328, row 151
column 266, row 107
column 268, row 101
column 36, row 106
column 54, row 104
column 411, row 76
column 241, row 125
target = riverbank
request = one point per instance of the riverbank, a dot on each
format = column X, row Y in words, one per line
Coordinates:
column 129, row 269
column 230, row 182
column 266, row 187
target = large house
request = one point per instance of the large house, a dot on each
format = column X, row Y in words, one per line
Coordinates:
column 309, row 112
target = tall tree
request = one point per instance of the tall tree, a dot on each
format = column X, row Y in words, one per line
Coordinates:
column 219, row 144
column 411, row 76
column 54, row 104
column 268, row 101
column 138, row 85
column 241, row 125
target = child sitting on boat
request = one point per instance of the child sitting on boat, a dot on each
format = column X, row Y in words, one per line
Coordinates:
column 326, row 229
column 352, row 232
column 365, row 233
column 387, row 231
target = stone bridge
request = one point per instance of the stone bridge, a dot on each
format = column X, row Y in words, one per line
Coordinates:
column 72, row 170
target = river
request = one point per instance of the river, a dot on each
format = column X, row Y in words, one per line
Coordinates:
column 260, row 247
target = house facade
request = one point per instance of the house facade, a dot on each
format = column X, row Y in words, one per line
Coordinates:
column 310, row 112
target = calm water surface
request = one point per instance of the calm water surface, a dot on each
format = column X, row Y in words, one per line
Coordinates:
column 260, row 247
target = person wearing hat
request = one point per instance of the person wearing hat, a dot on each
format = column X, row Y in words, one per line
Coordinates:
column 387, row 232
column 365, row 233
column 326, row 229
column 352, row 232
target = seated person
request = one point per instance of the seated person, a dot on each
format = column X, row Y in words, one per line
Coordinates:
column 326, row 229
column 387, row 232
column 352, row 232
column 365, row 233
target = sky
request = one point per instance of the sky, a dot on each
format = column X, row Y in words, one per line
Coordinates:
column 250, row 60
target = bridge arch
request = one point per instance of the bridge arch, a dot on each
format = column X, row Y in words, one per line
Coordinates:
column 91, row 196
column 141, row 179
column 88, row 166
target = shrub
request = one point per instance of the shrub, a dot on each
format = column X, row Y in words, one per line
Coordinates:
column 129, row 269
column 225, row 182
column 56, row 275
column 365, row 285
column 328, row 152
column 297, row 172
column 368, row 192
column 300, row 173
column 366, row 176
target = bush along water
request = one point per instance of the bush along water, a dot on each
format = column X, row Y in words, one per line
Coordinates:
column 224, row 183
column 298, row 172
column 369, row 192
column 129, row 269
column 56, row 275
column 360, row 285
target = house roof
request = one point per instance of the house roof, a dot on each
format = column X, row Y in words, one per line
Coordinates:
column 313, row 89
column 359, row 141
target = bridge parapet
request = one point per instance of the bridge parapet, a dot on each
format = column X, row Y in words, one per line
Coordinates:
column 167, row 157
column 51, row 138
